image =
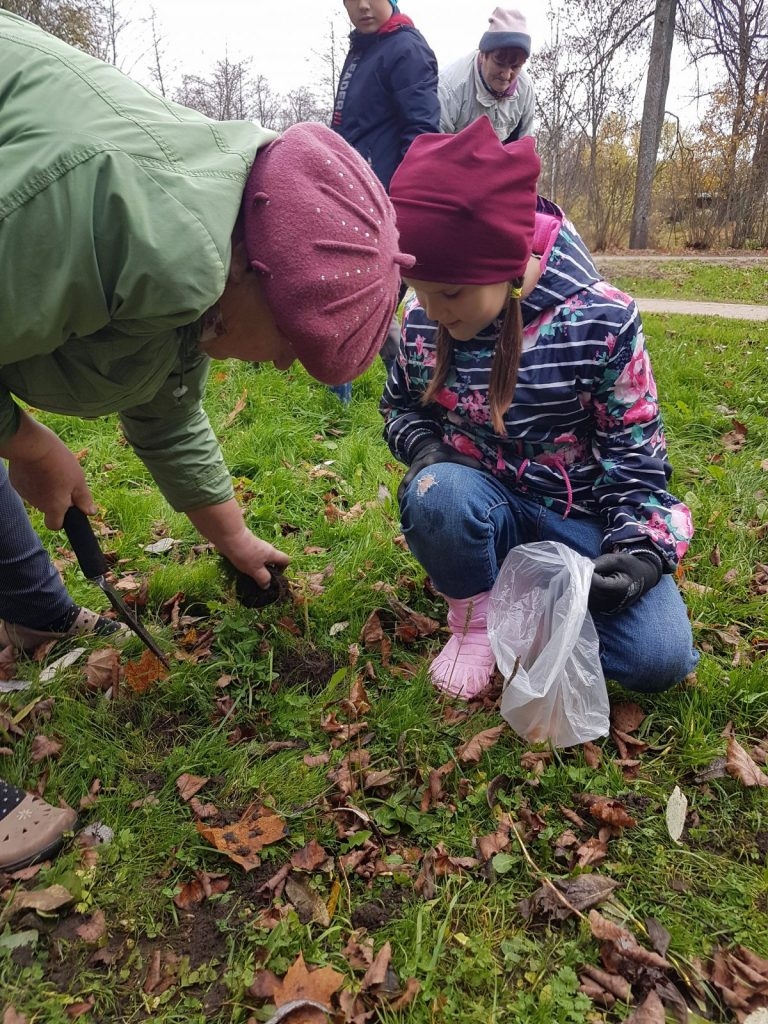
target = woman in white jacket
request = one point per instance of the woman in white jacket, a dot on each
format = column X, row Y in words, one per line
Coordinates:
column 491, row 81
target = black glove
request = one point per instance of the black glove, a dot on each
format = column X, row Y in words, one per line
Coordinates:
column 621, row 578
column 428, row 453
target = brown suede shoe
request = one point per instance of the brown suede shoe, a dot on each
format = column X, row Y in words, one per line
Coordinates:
column 33, row 831
column 26, row 639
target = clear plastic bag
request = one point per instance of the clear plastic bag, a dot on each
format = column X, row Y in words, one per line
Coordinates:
column 538, row 614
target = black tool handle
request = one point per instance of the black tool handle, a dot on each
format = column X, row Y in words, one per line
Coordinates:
column 80, row 534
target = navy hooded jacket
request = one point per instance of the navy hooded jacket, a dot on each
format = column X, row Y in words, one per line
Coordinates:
column 387, row 94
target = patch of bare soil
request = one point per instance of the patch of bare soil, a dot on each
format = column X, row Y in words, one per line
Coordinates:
column 378, row 912
column 304, row 665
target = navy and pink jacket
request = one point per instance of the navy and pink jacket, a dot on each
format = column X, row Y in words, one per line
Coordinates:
column 584, row 434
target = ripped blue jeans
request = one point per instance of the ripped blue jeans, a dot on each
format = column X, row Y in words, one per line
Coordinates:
column 460, row 524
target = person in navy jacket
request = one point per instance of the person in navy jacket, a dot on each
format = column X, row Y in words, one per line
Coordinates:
column 387, row 93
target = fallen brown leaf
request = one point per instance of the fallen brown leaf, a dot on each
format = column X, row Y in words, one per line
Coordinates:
column 372, row 632
column 92, row 796
column 741, row 977
column 316, row 760
column 411, row 990
column 79, row 1009
column 301, row 983
column 377, row 972
column 603, row 808
column 627, row 716
column 410, row 624
column 433, row 794
column 488, row 846
column 741, row 766
column 102, row 670
column 592, row 754
column 581, row 892
column 236, row 409
column 471, row 751
column 618, row 986
column 42, row 747
column 624, row 944
column 94, row 928
column 200, row 888
column 309, row 857
column 188, row 785
column 45, row 900
column 309, row 905
column 141, row 674
column 201, row 810
column 242, row 840
column 593, row 852
column 650, row 1011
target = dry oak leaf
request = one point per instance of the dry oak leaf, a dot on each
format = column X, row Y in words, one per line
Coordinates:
column 195, row 892
column 471, row 751
column 592, row 754
column 102, row 669
column 357, row 704
column 141, row 674
column 377, row 972
column 434, row 793
column 42, row 747
column 301, row 983
column 603, row 808
column 309, row 857
column 411, row 990
column 650, row 1011
column 581, row 893
column 309, row 905
column 615, row 984
column 626, row 716
column 741, row 766
column 488, row 846
column 242, row 840
column 372, row 632
column 94, row 928
column 188, row 785
column 742, row 979
column 624, row 942
column 44, row 900
column 75, row 1010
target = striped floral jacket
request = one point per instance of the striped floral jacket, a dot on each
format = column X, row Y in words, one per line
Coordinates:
column 584, row 434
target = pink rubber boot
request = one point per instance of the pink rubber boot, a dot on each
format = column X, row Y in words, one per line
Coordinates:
column 465, row 665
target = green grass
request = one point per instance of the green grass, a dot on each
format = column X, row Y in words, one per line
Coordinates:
column 475, row 956
column 705, row 282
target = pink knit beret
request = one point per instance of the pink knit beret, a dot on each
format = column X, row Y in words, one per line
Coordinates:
column 320, row 229
column 466, row 205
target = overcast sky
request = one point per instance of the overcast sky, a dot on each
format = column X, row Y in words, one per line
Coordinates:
column 283, row 36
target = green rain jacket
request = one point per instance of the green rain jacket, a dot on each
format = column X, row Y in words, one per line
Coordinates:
column 116, row 213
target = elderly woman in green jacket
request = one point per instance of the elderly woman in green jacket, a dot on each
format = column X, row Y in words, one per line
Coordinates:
column 138, row 239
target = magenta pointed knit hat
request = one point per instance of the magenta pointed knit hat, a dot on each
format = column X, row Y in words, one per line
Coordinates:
column 320, row 229
column 466, row 205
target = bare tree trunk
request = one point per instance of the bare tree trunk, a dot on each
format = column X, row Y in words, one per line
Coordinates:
column 654, row 103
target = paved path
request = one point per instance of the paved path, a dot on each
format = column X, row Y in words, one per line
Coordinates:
column 730, row 310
